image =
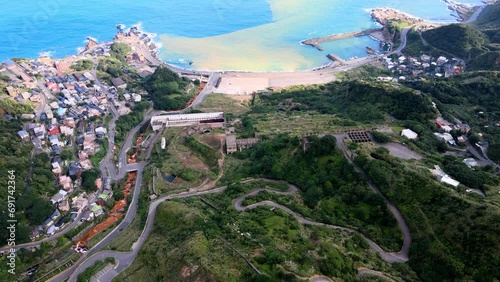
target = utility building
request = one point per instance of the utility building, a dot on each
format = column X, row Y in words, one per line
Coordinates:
column 158, row 122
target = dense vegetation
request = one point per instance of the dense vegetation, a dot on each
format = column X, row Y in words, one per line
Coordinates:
column 330, row 187
column 358, row 100
column 465, row 96
column 456, row 39
column 32, row 206
column 205, row 153
column 126, row 122
column 471, row 43
column 453, row 238
column 12, row 107
column 120, row 51
column 85, row 64
column 193, row 241
column 167, row 90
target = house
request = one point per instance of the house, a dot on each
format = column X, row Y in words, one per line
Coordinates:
column 55, row 148
column 39, row 131
column 53, row 131
column 446, row 137
column 54, row 140
column 425, row 58
column 470, row 162
column 69, row 121
column 23, row 134
column 26, row 95
column 87, row 216
column 56, row 168
column 59, row 197
column 63, row 206
column 79, row 203
column 36, row 232
column 66, row 130
column 97, row 210
column 410, row 134
column 136, row 97
column 119, row 83
column 51, row 230
column 66, row 182
column 88, row 76
column 35, row 98
column 48, row 222
column 55, row 214
column 86, row 165
column 442, row 60
column 105, row 195
column 27, row 116
column 443, row 177
column 60, row 224
column 100, row 131
column 12, row 91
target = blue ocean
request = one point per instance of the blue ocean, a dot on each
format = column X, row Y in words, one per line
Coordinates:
column 213, row 34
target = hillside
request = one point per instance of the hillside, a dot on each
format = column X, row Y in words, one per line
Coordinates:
column 167, row 90
column 457, row 39
column 477, row 44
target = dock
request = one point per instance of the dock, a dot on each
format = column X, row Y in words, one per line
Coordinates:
column 335, row 58
column 316, row 41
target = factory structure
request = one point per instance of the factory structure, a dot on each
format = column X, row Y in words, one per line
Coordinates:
column 209, row 120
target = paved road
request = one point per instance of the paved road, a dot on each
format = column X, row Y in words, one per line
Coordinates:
column 474, row 16
column 74, row 224
column 403, row 253
column 404, row 33
column 366, row 271
column 237, row 204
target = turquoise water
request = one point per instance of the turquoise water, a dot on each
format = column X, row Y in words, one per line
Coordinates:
column 214, row 34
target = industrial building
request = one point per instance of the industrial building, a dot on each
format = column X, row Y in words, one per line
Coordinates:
column 158, row 122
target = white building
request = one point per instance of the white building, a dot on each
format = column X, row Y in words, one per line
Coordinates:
column 157, row 122
column 410, row 134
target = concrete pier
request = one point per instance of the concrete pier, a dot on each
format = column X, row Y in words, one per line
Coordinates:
column 315, row 41
column 335, row 58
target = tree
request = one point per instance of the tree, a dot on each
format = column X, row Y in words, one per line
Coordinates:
column 88, row 180
column 380, row 137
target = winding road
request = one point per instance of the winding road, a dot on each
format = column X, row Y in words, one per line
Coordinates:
column 401, row 256
column 125, row 259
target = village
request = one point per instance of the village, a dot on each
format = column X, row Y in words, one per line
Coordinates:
column 408, row 68
column 69, row 122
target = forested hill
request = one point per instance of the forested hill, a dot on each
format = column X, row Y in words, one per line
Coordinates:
column 477, row 44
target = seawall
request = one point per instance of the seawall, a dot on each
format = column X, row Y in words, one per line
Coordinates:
column 315, row 41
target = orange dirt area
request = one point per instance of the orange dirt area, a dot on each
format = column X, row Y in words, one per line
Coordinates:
column 114, row 214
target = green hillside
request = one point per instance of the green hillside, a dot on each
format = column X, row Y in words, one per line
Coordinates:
column 457, row 39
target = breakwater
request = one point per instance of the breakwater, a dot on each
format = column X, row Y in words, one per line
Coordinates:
column 315, row 41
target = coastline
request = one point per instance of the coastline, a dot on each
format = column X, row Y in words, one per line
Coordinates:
column 378, row 36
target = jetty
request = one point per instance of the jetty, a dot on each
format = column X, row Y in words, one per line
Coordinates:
column 336, row 58
column 316, row 41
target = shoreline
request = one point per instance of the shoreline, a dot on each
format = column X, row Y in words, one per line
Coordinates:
column 375, row 35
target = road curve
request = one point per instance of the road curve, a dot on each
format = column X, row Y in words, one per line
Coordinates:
column 237, row 204
column 404, row 252
column 125, row 259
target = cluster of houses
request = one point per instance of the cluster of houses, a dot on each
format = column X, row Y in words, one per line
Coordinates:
column 409, row 68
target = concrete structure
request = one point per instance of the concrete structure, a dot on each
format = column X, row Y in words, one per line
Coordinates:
column 231, row 144
column 158, row 122
column 410, row 134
